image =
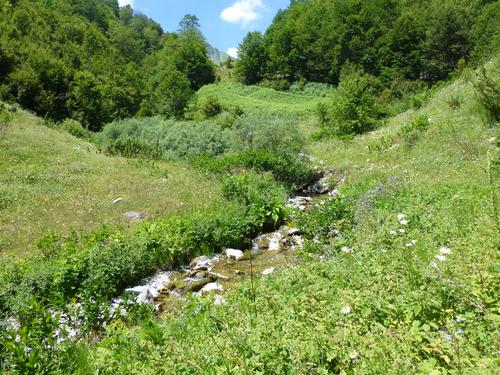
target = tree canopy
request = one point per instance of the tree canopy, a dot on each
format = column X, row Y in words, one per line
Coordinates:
column 94, row 61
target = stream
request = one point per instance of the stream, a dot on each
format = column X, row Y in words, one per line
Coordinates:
column 268, row 253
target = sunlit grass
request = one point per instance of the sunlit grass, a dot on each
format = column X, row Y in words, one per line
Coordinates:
column 50, row 180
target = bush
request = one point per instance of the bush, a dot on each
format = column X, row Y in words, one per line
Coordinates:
column 292, row 170
column 412, row 132
column 210, row 107
column 488, row 91
column 74, row 128
column 5, row 116
column 166, row 138
column 353, row 108
column 276, row 133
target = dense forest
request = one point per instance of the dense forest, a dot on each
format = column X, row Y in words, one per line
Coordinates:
column 422, row 40
column 94, row 61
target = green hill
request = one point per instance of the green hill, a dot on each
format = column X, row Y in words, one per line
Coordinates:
column 413, row 293
column 51, row 180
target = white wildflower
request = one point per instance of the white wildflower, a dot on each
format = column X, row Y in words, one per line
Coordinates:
column 402, row 231
column 403, row 222
column 354, row 355
column 445, row 250
column 401, row 217
column 346, row 310
column 409, row 244
column 441, row 258
column 347, row 250
column 393, row 232
column 434, row 265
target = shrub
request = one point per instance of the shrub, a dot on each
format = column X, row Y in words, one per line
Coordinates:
column 5, row 116
column 294, row 171
column 166, row 138
column 488, row 91
column 273, row 132
column 353, row 108
column 323, row 221
column 210, row 107
column 412, row 132
column 75, row 128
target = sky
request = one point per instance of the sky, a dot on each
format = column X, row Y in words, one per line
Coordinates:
column 223, row 22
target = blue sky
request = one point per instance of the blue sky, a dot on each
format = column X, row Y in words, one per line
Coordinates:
column 223, row 22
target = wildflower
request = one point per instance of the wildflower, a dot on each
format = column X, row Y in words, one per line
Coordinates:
column 401, row 217
column 393, row 232
column 445, row 250
column 414, row 242
column 434, row 265
column 402, row 231
column 403, row 222
column 409, row 244
column 347, row 250
column 354, row 355
column 346, row 310
column 441, row 258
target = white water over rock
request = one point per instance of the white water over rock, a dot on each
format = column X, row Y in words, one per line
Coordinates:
column 149, row 289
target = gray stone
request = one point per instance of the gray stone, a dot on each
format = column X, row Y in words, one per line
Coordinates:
column 133, row 216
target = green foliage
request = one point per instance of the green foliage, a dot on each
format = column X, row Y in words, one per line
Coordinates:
column 488, row 91
column 166, row 139
column 293, row 171
column 251, row 59
column 327, row 220
column 265, row 206
column 413, row 131
column 73, row 127
column 353, row 108
column 313, row 40
column 210, row 107
column 96, row 62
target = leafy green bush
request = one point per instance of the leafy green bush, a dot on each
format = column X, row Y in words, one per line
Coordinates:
column 353, row 108
column 412, row 132
column 5, row 116
column 294, row 171
column 324, row 220
column 74, row 128
column 166, row 138
column 210, row 106
column 488, row 91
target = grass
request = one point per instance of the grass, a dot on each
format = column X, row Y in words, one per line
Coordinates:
column 393, row 305
column 410, row 285
column 51, row 180
column 254, row 98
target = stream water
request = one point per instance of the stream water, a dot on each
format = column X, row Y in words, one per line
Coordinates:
column 269, row 252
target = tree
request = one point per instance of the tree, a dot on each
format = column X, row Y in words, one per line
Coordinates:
column 251, row 59
column 189, row 22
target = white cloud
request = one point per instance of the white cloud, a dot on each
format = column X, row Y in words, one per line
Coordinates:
column 244, row 12
column 233, row 52
column 123, row 3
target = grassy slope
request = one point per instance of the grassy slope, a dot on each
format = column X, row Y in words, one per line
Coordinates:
column 251, row 98
column 407, row 316
column 51, row 180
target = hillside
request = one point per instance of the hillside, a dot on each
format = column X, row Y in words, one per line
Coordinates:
column 394, row 295
column 328, row 204
column 51, row 180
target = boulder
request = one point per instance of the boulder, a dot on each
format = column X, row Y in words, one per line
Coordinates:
column 268, row 271
column 211, row 287
column 234, row 254
column 200, row 263
column 133, row 216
